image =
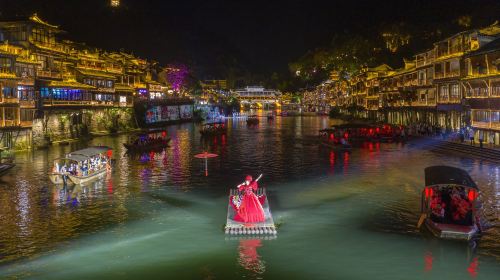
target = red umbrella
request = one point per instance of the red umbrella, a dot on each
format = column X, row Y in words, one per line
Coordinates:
column 206, row 155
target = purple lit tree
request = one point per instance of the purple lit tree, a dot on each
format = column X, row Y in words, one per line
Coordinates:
column 176, row 76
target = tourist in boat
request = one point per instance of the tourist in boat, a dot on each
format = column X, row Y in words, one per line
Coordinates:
column 250, row 210
column 437, row 208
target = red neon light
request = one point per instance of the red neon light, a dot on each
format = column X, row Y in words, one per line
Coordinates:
column 472, row 195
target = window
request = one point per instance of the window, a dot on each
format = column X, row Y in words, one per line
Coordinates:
column 44, row 92
column 5, row 64
column 42, row 36
column 8, row 92
column 67, row 94
column 481, row 116
column 443, row 92
column 110, row 84
column 27, row 115
column 495, row 90
column 495, row 116
column 25, row 93
column 455, row 93
column 43, row 60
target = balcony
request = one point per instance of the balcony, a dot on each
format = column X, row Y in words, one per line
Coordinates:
column 9, row 123
column 486, row 125
column 477, row 93
column 50, row 47
column 26, row 123
column 51, row 103
column 9, row 100
column 27, row 103
column 5, row 72
column 51, row 74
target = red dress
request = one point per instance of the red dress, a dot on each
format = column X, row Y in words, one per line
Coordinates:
column 250, row 210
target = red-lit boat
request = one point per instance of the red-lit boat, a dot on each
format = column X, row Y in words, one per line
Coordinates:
column 449, row 203
column 150, row 141
column 332, row 138
column 211, row 129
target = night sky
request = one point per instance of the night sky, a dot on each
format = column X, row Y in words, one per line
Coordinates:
column 259, row 36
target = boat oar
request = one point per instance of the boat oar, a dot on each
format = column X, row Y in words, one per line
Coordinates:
column 421, row 220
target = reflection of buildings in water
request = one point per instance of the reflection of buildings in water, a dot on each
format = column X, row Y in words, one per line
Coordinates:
column 74, row 194
column 145, row 176
column 23, row 207
column 181, row 147
column 248, row 257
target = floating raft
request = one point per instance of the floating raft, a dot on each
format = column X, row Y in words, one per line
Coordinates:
column 256, row 229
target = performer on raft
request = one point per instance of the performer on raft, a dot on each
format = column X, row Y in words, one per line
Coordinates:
column 250, row 210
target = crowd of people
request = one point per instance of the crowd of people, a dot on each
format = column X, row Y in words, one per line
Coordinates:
column 451, row 205
column 83, row 168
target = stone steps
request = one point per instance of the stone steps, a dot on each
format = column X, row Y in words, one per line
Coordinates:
column 464, row 149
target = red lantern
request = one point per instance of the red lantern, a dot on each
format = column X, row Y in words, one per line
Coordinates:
column 472, row 195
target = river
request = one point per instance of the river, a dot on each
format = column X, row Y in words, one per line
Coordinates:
column 157, row 216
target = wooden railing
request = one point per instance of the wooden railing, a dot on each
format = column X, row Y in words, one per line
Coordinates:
column 9, row 100
column 26, row 123
column 27, row 103
column 48, row 74
column 486, row 125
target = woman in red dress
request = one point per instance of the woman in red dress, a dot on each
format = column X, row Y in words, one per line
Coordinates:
column 250, row 210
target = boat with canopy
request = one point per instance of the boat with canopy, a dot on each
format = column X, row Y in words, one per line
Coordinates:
column 253, row 120
column 450, row 203
column 82, row 166
column 333, row 139
column 145, row 142
column 211, row 129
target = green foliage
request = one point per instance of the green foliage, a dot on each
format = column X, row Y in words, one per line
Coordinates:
column 335, row 113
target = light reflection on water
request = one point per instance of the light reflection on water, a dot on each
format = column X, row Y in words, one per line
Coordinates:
column 342, row 215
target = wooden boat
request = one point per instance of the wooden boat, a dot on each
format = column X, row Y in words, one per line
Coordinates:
column 6, row 163
column 449, row 203
column 88, row 178
column 154, row 145
column 5, row 167
column 330, row 138
column 210, row 129
column 80, row 160
column 239, row 228
column 253, row 120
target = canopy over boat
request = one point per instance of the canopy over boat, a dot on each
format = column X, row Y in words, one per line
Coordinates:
column 447, row 175
column 85, row 154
